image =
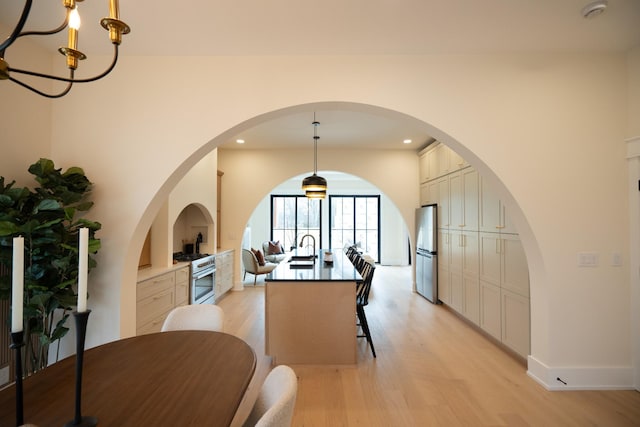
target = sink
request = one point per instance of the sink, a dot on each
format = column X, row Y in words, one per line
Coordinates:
column 295, row 258
column 308, row 263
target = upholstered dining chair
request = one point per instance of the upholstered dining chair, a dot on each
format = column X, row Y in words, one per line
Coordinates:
column 202, row 317
column 251, row 265
column 276, row 399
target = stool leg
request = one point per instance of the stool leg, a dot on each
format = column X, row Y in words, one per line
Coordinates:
column 365, row 327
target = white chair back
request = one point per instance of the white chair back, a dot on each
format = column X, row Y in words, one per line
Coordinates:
column 276, row 400
column 200, row 317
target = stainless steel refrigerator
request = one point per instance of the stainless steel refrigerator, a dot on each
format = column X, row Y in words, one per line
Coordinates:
column 427, row 252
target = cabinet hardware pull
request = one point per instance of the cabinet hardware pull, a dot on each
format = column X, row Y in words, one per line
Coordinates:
column 499, row 227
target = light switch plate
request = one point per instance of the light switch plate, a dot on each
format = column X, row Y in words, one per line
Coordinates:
column 588, row 259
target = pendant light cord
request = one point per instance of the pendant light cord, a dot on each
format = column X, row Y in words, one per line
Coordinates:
column 315, row 144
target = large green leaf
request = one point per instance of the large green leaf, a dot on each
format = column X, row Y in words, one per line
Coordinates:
column 8, row 228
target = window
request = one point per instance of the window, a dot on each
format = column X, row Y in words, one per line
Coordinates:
column 355, row 219
column 294, row 216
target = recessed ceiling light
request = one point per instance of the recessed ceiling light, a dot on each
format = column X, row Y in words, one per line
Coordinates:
column 407, row 141
column 594, row 9
column 240, row 141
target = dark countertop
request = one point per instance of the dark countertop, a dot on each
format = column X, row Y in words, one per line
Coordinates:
column 340, row 271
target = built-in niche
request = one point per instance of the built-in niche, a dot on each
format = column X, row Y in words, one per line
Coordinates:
column 193, row 230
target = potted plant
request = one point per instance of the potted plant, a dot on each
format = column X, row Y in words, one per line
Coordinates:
column 49, row 218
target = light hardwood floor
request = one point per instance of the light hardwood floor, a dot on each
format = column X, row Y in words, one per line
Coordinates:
column 432, row 369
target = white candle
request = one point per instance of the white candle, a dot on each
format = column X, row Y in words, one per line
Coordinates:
column 83, row 259
column 17, row 295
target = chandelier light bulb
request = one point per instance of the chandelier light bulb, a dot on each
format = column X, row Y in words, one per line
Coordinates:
column 74, row 19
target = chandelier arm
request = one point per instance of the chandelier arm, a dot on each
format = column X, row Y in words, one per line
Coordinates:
column 70, row 79
column 39, row 92
column 47, row 33
column 16, row 31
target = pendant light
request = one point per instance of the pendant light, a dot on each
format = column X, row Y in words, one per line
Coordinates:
column 315, row 186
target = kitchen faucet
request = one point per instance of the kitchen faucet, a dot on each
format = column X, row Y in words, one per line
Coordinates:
column 314, row 243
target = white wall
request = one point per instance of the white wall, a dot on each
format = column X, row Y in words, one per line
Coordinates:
column 394, row 233
column 546, row 130
column 633, row 152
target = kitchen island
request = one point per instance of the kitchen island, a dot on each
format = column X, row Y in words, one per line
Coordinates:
column 310, row 310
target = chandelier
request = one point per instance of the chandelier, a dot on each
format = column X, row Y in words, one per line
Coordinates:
column 113, row 24
column 315, row 186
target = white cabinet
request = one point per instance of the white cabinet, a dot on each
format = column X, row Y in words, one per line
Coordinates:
column 442, row 185
column 425, row 194
column 423, row 167
column 444, row 290
column 471, row 298
column 492, row 212
column 490, row 309
column 455, row 290
column 463, row 199
column 503, row 262
column 503, row 269
column 482, row 268
column 515, row 322
column 514, row 269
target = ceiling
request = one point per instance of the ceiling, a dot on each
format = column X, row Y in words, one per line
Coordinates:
column 303, row 27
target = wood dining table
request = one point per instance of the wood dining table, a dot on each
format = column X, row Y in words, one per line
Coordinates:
column 181, row 378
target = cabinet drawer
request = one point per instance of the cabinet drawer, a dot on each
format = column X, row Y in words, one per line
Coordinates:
column 182, row 275
column 155, row 285
column 154, row 306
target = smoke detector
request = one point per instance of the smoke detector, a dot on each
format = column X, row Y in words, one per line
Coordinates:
column 594, row 9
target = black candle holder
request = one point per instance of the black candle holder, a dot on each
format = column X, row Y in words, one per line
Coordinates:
column 17, row 342
column 81, row 319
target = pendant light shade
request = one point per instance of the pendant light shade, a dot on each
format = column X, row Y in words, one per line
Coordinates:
column 314, row 183
column 315, row 186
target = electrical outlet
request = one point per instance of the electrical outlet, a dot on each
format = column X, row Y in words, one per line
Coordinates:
column 588, row 259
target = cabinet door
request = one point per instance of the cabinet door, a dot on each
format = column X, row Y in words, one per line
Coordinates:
column 456, row 161
column 490, row 210
column 444, row 248
column 456, row 251
column 516, row 330
column 423, row 167
column 455, row 290
column 432, row 160
column 425, row 197
column 515, row 272
column 443, row 152
column 490, row 312
column 443, row 202
column 470, row 185
column 470, row 253
column 456, row 201
column 490, row 258
column 471, row 298
column 444, row 290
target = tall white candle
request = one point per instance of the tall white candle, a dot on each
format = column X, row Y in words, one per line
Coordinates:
column 17, row 294
column 83, row 260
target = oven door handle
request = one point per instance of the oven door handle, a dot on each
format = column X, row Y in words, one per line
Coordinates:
column 204, row 273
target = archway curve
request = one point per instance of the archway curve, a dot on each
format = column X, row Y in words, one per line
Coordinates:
column 530, row 244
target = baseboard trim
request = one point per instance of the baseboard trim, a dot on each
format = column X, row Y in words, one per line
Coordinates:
column 586, row 378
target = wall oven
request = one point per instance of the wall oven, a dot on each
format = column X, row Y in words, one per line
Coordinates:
column 203, row 280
